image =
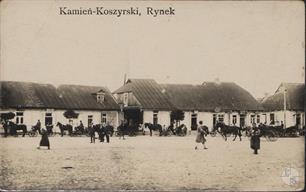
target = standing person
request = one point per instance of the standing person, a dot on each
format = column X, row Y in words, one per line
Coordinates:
column 91, row 132
column 201, row 132
column 121, row 130
column 5, row 124
column 255, row 139
column 38, row 126
column 108, row 131
column 44, row 139
column 102, row 132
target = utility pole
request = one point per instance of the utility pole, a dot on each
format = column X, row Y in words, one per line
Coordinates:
column 285, row 107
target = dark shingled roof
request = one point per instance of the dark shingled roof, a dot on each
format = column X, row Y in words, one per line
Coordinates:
column 294, row 97
column 35, row 95
column 29, row 95
column 84, row 97
column 209, row 96
column 205, row 97
column 148, row 92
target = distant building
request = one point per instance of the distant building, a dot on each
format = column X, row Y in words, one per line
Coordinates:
column 213, row 101
column 142, row 101
column 209, row 102
column 33, row 101
column 274, row 106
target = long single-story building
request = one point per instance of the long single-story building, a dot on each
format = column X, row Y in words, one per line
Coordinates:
column 146, row 101
column 34, row 101
column 285, row 106
column 213, row 101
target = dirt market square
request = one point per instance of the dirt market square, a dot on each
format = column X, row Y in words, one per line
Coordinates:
column 150, row 163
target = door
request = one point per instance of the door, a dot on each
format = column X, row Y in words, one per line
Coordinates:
column 242, row 120
column 194, row 120
column 298, row 120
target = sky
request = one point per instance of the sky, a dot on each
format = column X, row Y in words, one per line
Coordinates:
column 257, row 45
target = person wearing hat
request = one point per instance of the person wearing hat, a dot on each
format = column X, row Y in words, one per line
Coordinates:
column 201, row 132
column 255, row 139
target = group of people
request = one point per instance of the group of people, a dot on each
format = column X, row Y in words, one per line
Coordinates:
column 104, row 131
column 202, row 132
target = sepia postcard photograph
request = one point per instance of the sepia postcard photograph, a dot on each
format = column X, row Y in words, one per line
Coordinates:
column 152, row 95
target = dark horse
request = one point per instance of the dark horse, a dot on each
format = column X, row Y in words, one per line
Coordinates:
column 154, row 127
column 292, row 131
column 64, row 127
column 15, row 127
column 228, row 130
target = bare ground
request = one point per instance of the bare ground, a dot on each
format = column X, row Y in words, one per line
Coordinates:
column 149, row 163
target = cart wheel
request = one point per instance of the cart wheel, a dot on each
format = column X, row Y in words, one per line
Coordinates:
column 271, row 137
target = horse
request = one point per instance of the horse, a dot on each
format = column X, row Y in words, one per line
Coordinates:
column 15, row 127
column 154, row 127
column 64, row 127
column 291, row 131
column 226, row 129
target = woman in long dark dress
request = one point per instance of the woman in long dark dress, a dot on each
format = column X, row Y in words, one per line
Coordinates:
column 255, row 139
column 44, row 139
column 201, row 132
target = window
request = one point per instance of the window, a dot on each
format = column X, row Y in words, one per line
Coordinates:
column 252, row 119
column 272, row 119
column 234, row 121
column 258, row 119
column 19, row 117
column 100, row 97
column 125, row 99
column 90, row 120
column 48, row 119
column 265, row 118
column 221, row 118
column 155, row 117
column 103, row 119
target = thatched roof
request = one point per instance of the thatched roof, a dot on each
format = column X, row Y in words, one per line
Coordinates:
column 295, row 94
column 84, row 97
column 29, row 95
column 211, row 96
column 35, row 95
column 147, row 92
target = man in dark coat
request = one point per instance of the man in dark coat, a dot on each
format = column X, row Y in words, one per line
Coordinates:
column 102, row 132
column 91, row 132
column 44, row 139
column 108, row 131
column 255, row 139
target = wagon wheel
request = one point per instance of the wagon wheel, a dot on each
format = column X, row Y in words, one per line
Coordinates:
column 213, row 134
column 32, row 133
column 271, row 136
